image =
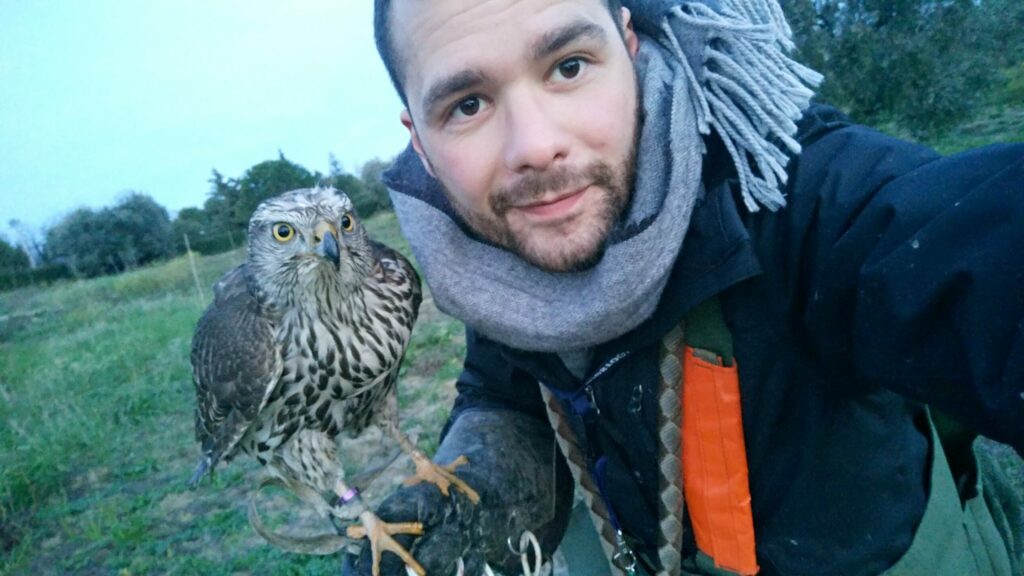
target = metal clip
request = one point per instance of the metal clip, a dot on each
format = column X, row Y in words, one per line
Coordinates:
column 624, row 557
column 636, row 399
column 593, row 400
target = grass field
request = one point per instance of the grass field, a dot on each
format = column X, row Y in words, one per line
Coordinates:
column 97, row 443
column 997, row 123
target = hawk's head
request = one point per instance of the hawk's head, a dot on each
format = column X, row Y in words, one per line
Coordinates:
column 308, row 243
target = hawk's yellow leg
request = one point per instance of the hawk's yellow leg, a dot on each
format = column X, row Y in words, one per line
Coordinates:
column 427, row 471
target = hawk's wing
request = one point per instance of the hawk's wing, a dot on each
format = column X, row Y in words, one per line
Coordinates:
column 395, row 269
column 236, row 364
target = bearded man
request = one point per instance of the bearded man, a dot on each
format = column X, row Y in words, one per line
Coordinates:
column 765, row 338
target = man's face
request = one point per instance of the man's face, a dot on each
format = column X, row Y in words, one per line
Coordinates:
column 526, row 112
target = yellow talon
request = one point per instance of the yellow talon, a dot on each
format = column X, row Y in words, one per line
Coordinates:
column 442, row 476
column 379, row 534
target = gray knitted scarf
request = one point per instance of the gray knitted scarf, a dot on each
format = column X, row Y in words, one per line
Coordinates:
column 699, row 69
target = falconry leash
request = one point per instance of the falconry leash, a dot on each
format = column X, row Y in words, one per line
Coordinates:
column 670, row 491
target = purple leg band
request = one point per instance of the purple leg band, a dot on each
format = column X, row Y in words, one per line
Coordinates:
column 349, row 496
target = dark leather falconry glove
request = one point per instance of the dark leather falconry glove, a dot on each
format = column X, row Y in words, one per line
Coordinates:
column 523, row 482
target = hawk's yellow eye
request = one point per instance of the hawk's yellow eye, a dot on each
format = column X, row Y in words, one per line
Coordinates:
column 283, row 232
column 348, row 223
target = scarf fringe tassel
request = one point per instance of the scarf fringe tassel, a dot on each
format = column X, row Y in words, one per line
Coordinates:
column 749, row 89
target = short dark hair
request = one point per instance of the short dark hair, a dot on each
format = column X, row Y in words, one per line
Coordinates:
column 391, row 58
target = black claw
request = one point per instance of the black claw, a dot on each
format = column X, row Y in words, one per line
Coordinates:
column 340, row 526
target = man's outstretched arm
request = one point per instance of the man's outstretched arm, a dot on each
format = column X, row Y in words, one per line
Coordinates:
column 911, row 267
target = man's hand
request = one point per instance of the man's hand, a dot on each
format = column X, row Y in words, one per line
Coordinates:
column 511, row 459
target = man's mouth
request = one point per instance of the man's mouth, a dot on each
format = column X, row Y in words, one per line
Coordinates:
column 554, row 207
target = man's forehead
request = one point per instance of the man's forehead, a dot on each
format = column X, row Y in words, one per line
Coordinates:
column 451, row 12
column 445, row 37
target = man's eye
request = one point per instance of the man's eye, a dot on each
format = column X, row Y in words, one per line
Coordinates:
column 569, row 68
column 468, row 107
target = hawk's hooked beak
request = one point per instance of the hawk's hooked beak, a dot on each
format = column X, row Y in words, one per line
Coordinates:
column 327, row 243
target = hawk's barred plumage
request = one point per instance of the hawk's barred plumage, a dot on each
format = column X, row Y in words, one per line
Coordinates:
column 303, row 341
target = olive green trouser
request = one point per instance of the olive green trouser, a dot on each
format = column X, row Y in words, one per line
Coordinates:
column 983, row 536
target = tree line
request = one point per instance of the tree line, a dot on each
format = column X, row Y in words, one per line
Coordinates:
column 918, row 66
column 137, row 230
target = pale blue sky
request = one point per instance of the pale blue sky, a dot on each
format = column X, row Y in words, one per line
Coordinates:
column 105, row 96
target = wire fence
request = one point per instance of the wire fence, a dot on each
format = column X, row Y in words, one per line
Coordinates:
column 47, row 274
column 205, row 243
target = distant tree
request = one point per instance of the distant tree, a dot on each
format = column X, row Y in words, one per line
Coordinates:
column 267, row 179
column 367, row 193
column 143, row 229
column 16, row 269
column 999, row 27
column 921, row 63
column 372, row 176
column 136, row 231
column 334, row 166
column 26, row 239
column 193, row 222
column 362, row 199
column 12, row 259
column 220, row 203
column 79, row 241
column 351, row 186
column 205, row 233
column 1003, row 23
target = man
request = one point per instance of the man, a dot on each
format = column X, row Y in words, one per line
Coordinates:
column 630, row 209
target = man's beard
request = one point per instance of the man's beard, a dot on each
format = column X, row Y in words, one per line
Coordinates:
column 586, row 246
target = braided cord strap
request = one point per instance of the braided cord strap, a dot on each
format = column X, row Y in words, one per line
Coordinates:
column 574, row 456
column 670, row 479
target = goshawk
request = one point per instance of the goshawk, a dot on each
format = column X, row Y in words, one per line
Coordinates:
column 303, row 341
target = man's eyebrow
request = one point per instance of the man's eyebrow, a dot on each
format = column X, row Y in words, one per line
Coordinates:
column 554, row 40
column 446, row 86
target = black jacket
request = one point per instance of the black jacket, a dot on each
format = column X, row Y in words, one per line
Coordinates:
column 894, row 277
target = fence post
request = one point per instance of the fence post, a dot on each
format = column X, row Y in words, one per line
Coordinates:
column 195, row 273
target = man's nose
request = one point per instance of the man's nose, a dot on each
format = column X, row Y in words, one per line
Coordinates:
column 534, row 138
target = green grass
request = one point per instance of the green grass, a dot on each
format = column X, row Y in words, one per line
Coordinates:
column 998, row 123
column 97, row 399
column 995, row 123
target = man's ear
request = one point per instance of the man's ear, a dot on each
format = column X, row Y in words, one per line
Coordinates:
column 416, row 144
column 628, row 34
